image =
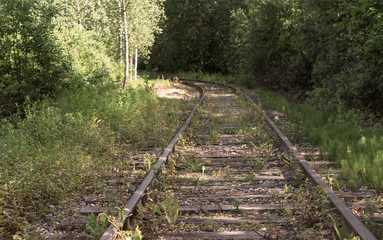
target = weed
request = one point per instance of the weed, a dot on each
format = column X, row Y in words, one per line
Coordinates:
column 171, row 210
column 340, row 229
column 288, row 212
column 214, row 136
column 257, row 165
column 228, row 174
column 331, row 180
column 195, row 182
column 133, row 235
column 97, row 225
column 218, row 203
column 370, row 207
column 147, row 163
column 249, row 177
column 236, row 204
column 194, row 164
column 124, row 234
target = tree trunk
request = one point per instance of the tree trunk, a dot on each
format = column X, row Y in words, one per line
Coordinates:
column 121, row 46
column 131, row 67
column 126, row 80
column 120, row 36
column 136, row 65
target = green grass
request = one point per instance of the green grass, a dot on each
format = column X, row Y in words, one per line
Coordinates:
column 357, row 147
column 62, row 147
column 350, row 141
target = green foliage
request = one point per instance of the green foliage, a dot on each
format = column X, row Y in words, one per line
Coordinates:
column 89, row 58
column 228, row 174
column 30, row 63
column 334, row 46
column 329, row 49
column 195, row 32
column 97, row 225
column 69, row 144
column 257, row 165
column 168, row 208
column 194, row 164
column 357, row 147
column 249, row 177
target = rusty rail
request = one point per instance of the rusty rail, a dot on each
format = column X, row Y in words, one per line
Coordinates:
column 355, row 225
column 142, row 189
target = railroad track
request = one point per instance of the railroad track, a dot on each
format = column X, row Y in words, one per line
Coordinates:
column 232, row 178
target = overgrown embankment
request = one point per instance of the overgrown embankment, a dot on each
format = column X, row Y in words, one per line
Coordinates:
column 350, row 141
column 71, row 144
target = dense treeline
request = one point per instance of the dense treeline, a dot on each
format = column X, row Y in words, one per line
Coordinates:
column 30, row 60
column 195, row 33
column 48, row 46
column 330, row 49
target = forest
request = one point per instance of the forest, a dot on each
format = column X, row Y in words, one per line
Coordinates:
column 328, row 51
column 68, row 98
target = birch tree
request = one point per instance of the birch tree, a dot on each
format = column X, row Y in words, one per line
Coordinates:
column 143, row 22
column 125, row 27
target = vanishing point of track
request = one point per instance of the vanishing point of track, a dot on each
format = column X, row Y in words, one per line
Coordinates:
column 240, row 179
column 239, row 184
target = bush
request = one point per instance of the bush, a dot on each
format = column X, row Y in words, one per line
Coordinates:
column 69, row 144
column 89, row 58
column 31, row 66
column 348, row 140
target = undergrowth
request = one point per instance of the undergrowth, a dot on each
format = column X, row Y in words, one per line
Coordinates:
column 348, row 139
column 70, row 144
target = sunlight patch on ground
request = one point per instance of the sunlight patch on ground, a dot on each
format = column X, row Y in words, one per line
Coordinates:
column 176, row 91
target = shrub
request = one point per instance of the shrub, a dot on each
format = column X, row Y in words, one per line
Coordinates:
column 69, row 144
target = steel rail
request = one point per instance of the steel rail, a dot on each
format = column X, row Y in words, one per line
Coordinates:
column 355, row 225
column 143, row 187
column 353, row 222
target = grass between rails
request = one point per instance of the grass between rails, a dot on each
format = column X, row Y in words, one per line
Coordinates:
column 348, row 139
column 356, row 146
column 69, row 145
column 162, row 211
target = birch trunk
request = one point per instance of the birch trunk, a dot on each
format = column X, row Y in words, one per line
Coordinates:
column 121, row 36
column 131, row 68
column 136, row 65
column 126, row 78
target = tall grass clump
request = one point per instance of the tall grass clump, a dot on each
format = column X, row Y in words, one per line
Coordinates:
column 69, row 144
column 348, row 139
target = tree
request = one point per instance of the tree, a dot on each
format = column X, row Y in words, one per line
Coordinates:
column 117, row 24
column 194, row 35
column 30, row 65
column 142, row 24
